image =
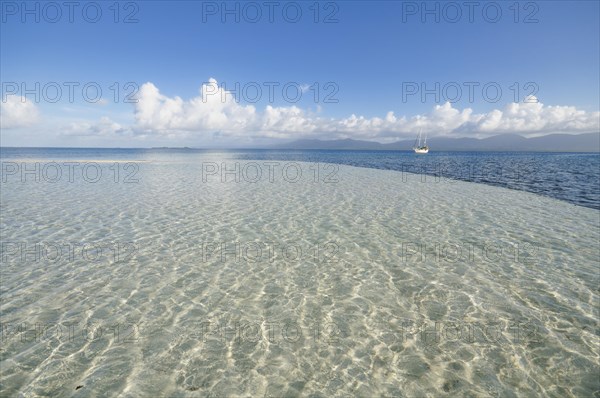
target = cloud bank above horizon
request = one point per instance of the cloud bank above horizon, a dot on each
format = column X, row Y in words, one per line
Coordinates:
column 216, row 114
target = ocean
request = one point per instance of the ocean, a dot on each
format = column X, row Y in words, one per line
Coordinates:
column 138, row 272
column 572, row 177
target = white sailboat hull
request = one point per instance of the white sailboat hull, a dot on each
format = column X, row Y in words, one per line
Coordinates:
column 418, row 148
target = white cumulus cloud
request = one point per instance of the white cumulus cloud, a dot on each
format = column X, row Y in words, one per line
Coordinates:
column 16, row 111
column 215, row 110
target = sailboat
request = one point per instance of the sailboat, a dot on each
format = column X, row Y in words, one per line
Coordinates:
column 418, row 148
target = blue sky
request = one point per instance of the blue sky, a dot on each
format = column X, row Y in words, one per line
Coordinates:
column 368, row 56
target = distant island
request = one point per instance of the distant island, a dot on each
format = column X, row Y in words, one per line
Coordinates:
column 589, row 142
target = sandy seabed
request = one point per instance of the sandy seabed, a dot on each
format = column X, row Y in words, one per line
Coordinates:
column 338, row 281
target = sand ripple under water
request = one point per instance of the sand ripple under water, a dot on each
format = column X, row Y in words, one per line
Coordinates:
column 372, row 283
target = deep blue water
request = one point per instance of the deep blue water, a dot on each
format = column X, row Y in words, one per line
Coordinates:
column 572, row 177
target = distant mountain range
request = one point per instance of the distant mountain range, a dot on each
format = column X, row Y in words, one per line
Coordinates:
column 589, row 142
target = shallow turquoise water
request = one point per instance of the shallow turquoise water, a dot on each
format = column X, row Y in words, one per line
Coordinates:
column 167, row 277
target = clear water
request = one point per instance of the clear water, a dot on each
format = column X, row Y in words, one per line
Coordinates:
column 573, row 177
column 166, row 277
